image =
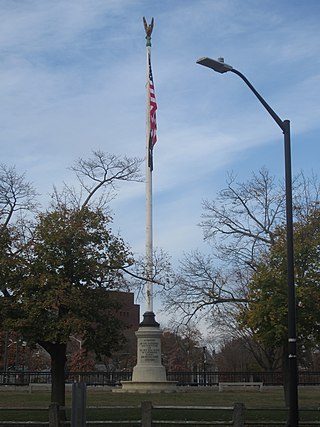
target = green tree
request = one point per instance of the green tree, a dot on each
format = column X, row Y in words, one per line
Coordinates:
column 266, row 310
column 72, row 263
column 56, row 272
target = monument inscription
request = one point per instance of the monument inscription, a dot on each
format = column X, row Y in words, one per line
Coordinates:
column 149, row 350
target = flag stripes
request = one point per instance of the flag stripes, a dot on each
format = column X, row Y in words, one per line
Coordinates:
column 152, row 106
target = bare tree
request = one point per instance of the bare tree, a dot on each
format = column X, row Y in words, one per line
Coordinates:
column 240, row 225
column 161, row 278
column 17, row 195
column 306, row 195
column 268, row 357
column 100, row 174
column 17, row 200
column 180, row 346
column 242, row 222
column 243, row 218
column 199, row 288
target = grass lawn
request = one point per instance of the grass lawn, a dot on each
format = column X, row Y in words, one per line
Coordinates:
column 309, row 399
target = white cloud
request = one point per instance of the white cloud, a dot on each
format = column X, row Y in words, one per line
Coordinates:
column 72, row 79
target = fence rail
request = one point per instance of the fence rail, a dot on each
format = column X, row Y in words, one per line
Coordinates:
column 199, row 378
column 237, row 415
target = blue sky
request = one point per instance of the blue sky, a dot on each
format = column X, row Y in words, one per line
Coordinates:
column 72, row 80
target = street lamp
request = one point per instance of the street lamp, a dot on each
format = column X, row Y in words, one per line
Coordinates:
column 220, row 67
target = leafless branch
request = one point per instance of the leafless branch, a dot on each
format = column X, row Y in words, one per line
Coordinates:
column 105, row 170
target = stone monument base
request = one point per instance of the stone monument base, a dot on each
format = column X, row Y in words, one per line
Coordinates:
column 149, row 375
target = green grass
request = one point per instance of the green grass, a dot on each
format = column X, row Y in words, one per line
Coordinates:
column 309, row 398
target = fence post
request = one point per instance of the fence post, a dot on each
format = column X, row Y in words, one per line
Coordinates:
column 54, row 418
column 146, row 418
column 238, row 414
column 79, row 405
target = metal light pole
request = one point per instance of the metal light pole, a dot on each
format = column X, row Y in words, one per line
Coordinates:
column 220, row 67
column 204, row 349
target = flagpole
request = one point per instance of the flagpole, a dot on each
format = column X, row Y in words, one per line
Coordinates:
column 149, row 375
column 149, row 167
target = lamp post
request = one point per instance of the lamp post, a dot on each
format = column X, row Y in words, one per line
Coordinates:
column 220, row 67
column 80, row 356
column 204, row 349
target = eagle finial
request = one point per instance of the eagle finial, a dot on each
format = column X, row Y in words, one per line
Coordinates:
column 148, row 28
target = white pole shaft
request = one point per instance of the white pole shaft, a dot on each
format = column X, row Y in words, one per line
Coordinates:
column 149, row 230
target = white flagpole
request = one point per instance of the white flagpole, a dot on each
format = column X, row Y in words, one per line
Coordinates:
column 149, row 228
column 149, row 373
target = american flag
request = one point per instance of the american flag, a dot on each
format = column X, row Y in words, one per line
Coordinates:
column 152, row 108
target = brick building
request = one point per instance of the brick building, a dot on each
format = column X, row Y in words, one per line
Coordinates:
column 129, row 312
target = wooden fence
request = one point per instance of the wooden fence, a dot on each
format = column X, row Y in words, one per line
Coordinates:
column 237, row 416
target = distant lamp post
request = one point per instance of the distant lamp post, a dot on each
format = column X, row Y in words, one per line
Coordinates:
column 24, row 345
column 80, row 356
column 204, row 355
column 220, row 67
column 79, row 341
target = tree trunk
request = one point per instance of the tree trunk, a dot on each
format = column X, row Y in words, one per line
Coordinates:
column 58, row 362
column 58, row 356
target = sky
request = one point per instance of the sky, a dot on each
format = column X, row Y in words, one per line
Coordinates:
column 72, row 80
